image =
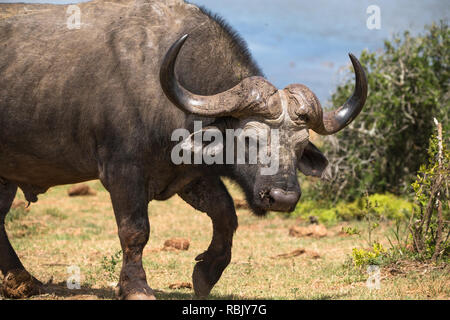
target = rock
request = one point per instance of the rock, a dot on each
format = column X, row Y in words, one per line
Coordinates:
column 81, row 190
column 180, row 285
column 290, row 254
column 295, row 253
column 314, row 230
column 176, row 244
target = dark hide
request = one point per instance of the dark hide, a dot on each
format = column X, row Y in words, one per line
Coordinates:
column 83, row 104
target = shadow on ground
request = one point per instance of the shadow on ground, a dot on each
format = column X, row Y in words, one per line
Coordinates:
column 60, row 290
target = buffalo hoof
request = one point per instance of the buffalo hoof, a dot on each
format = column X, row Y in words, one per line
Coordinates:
column 140, row 296
column 208, row 270
column 19, row 284
column 201, row 281
column 144, row 293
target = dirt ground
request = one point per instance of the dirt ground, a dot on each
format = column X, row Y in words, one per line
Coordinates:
column 60, row 232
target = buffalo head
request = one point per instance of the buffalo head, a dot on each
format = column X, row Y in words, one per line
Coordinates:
column 255, row 105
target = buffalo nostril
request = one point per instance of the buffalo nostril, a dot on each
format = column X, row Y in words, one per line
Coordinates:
column 284, row 200
column 284, row 196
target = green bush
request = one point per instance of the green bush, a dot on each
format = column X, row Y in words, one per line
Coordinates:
column 431, row 228
column 373, row 256
column 386, row 206
column 384, row 147
column 110, row 263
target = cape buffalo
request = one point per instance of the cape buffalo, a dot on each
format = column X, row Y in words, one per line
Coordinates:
column 101, row 101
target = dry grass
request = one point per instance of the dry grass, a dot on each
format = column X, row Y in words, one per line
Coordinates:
column 60, row 231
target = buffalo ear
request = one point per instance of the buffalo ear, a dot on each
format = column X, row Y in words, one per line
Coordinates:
column 313, row 163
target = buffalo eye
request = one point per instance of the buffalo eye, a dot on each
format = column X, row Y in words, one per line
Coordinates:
column 302, row 116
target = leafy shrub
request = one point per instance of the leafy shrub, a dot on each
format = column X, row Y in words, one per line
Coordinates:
column 386, row 206
column 431, row 230
column 351, row 231
column 110, row 263
column 373, row 256
column 384, row 147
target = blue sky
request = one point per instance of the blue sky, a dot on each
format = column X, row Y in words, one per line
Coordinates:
column 300, row 41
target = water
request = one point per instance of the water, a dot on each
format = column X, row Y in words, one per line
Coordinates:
column 298, row 41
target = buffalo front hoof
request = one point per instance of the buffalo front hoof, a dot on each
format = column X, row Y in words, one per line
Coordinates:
column 140, row 296
column 136, row 293
column 201, row 281
column 207, row 272
column 19, row 284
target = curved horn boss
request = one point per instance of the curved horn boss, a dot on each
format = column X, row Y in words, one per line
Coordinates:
column 308, row 107
column 246, row 98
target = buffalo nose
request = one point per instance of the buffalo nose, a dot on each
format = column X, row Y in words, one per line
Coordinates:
column 284, row 200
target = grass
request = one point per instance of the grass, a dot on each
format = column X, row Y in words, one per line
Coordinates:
column 59, row 231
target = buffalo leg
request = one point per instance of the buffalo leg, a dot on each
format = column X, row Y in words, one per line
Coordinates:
column 17, row 283
column 128, row 190
column 211, row 196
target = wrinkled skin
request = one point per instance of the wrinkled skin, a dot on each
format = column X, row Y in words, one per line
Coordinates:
column 83, row 104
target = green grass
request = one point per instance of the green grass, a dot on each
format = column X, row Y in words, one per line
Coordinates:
column 16, row 214
column 60, row 231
